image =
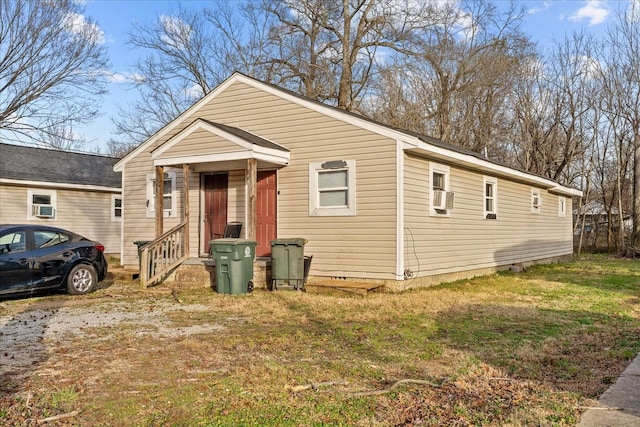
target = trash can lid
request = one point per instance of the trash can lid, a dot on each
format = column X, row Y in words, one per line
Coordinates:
column 232, row 241
column 298, row 241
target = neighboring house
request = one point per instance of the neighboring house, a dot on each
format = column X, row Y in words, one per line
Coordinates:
column 373, row 202
column 596, row 218
column 76, row 191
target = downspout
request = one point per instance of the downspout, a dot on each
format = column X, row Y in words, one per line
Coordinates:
column 399, row 211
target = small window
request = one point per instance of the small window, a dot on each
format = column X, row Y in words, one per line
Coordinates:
column 536, row 201
column 168, row 198
column 562, row 206
column 41, row 204
column 440, row 198
column 116, row 207
column 490, row 197
column 47, row 239
column 332, row 188
column 14, row 241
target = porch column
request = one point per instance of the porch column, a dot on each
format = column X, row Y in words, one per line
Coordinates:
column 158, row 201
column 251, row 179
column 185, row 199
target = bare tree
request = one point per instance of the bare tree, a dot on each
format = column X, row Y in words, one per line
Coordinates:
column 52, row 70
column 175, row 71
column 459, row 78
column 330, row 51
column 620, row 75
column 554, row 110
column 186, row 54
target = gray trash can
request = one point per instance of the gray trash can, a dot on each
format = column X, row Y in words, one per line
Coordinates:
column 288, row 263
column 234, row 265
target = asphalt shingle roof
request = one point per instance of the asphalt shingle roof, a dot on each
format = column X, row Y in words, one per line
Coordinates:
column 247, row 136
column 39, row 164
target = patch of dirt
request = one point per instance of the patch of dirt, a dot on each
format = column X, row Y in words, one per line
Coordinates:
column 28, row 336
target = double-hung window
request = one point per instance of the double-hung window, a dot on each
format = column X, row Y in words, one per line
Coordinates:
column 116, row 207
column 168, row 196
column 562, row 206
column 490, row 197
column 332, row 188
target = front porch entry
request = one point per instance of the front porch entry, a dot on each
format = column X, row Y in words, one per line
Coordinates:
column 215, row 188
column 217, row 153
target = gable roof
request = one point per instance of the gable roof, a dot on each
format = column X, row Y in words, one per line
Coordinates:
column 411, row 141
column 243, row 145
column 247, row 136
column 71, row 169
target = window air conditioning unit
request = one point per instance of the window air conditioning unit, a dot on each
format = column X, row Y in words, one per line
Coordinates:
column 43, row 211
column 442, row 200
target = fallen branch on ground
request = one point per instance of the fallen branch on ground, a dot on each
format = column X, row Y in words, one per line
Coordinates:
column 58, row 417
column 315, row 386
column 393, row 386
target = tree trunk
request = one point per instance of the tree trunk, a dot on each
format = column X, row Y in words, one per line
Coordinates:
column 635, row 234
column 344, row 91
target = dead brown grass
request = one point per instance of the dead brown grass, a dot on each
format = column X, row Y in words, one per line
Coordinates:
column 501, row 350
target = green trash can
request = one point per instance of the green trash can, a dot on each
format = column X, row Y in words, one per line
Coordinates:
column 287, row 263
column 234, row 265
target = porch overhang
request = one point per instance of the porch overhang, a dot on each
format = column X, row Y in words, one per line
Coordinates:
column 271, row 158
column 206, row 142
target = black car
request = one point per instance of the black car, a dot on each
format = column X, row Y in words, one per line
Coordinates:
column 34, row 258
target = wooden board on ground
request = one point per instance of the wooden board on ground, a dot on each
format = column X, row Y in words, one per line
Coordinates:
column 360, row 288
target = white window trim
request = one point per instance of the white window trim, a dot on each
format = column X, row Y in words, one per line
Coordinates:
column 562, row 206
column 536, row 209
column 493, row 181
column 46, row 192
column 151, row 205
column 314, row 196
column 446, row 171
column 113, row 207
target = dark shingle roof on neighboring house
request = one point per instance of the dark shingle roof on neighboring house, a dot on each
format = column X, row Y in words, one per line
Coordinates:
column 18, row 162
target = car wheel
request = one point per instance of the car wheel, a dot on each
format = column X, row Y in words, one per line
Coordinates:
column 82, row 278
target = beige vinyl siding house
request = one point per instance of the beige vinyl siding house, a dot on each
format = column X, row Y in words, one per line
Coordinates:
column 80, row 192
column 465, row 242
column 358, row 191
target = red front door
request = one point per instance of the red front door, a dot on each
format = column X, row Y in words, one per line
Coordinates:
column 215, row 207
column 266, row 195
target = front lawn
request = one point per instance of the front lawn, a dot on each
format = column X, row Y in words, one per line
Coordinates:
column 531, row 348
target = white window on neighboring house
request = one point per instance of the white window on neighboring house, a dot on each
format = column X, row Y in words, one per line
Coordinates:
column 562, row 206
column 536, row 201
column 490, row 197
column 168, row 198
column 41, row 204
column 332, row 188
column 440, row 198
column 116, row 207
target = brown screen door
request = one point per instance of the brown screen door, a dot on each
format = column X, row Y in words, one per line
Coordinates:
column 266, row 196
column 215, row 207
